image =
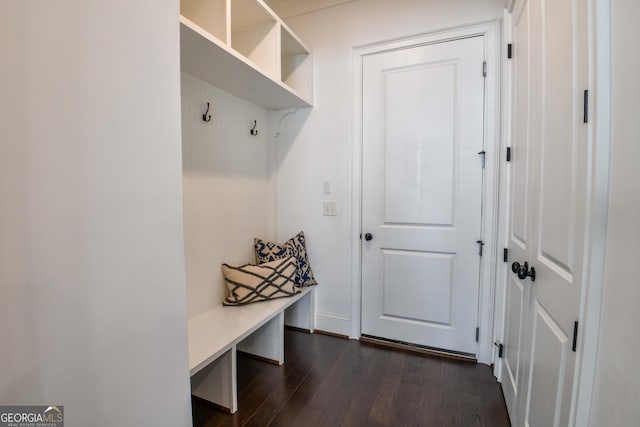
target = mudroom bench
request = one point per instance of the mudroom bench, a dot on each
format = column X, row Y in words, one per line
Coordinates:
column 258, row 329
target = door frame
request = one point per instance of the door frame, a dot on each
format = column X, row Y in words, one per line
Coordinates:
column 599, row 28
column 491, row 32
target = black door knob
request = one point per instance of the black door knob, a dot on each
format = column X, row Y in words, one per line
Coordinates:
column 532, row 274
column 525, row 272
column 368, row 236
column 515, row 267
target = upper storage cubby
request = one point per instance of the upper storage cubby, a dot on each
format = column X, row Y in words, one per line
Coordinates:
column 295, row 63
column 254, row 34
column 210, row 15
column 243, row 47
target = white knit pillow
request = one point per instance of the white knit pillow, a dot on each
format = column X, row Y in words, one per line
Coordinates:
column 250, row 283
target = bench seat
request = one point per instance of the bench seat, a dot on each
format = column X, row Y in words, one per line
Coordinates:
column 215, row 336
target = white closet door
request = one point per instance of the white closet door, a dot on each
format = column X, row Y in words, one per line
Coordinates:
column 549, row 201
column 517, row 292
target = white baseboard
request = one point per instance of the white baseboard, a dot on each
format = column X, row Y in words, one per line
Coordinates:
column 333, row 323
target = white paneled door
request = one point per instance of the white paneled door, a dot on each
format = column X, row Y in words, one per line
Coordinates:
column 549, row 188
column 422, row 193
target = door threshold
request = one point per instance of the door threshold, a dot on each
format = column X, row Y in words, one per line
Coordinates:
column 417, row 348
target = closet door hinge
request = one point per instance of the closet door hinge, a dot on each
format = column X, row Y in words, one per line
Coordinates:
column 505, row 255
column 484, row 68
column 509, row 51
column 484, row 155
column 585, row 114
column 480, row 244
column 574, row 345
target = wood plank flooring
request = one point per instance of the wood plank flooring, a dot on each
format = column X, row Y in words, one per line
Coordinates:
column 329, row 381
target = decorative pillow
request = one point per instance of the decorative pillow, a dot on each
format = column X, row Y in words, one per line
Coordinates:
column 250, row 283
column 295, row 247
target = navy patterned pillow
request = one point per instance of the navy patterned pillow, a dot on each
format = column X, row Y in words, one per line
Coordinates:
column 295, row 247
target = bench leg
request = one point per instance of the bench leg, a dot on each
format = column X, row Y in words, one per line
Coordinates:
column 301, row 314
column 217, row 383
column 267, row 342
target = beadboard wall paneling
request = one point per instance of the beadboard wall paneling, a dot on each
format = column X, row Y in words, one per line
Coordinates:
column 227, row 190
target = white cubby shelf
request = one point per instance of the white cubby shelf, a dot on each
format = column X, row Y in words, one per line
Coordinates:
column 244, row 48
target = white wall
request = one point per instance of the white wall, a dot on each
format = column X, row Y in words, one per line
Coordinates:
column 618, row 375
column 92, row 291
column 315, row 145
column 227, row 187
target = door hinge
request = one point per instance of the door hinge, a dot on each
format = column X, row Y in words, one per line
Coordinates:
column 508, row 154
column 585, row 114
column 480, row 244
column 575, row 336
column 500, row 348
column 484, row 68
column 477, row 334
column 505, row 255
column 509, row 51
column 484, row 155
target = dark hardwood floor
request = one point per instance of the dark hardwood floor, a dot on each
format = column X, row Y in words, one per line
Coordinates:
column 328, row 381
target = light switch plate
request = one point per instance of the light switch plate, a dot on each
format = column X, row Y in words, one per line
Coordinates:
column 329, row 208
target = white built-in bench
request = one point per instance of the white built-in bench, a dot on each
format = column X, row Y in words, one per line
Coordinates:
column 258, row 329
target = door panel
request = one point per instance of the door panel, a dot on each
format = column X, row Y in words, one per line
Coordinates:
column 548, row 355
column 559, row 222
column 555, row 200
column 520, row 140
column 558, row 169
column 431, row 301
column 423, row 127
column 513, row 333
column 416, row 190
column 520, row 210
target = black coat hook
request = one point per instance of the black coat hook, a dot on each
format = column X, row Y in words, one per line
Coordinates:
column 253, row 130
column 206, row 117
